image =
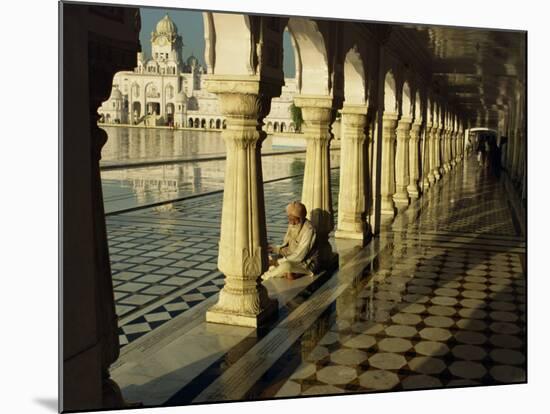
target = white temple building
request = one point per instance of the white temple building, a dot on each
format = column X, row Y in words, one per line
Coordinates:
column 165, row 91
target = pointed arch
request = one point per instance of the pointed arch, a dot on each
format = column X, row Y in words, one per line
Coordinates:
column 312, row 55
column 229, row 44
column 417, row 112
column 355, row 87
column 390, row 93
column 406, row 101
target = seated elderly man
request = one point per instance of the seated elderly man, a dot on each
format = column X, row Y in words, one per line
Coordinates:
column 298, row 255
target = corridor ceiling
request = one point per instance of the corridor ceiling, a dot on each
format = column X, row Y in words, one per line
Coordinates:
column 481, row 70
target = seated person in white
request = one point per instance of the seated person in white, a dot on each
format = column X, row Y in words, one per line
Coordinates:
column 298, row 255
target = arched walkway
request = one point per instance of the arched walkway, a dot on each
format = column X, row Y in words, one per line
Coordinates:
column 377, row 89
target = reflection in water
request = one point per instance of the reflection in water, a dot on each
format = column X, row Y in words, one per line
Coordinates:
column 127, row 144
column 147, row 144
column 169, row 179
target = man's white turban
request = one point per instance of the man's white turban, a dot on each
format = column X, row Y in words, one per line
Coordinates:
column 296, row 209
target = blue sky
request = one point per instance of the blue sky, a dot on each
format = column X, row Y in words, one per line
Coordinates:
column 191, row 28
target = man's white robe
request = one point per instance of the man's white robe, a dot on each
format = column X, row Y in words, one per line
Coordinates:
column 299, row 242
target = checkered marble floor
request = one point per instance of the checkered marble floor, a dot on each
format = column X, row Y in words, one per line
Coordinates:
column 164, row 259
column 443, row 305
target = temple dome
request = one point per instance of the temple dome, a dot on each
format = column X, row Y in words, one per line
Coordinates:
column 166, row 25
column 116, row 94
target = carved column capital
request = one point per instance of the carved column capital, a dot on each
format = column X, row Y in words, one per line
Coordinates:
column 389, row 123
column 354, row 121
column 415, row 131
column 318, row 114
column 241, row 96
column 354, row 109
column 403, row 129
column 390, row 117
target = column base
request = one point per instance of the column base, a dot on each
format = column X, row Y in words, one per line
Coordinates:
column 387, row 208
column 447, row 167
column 388, row 212
column 401, row 200
column 426, row 183
column 353, row 235
column 385, row 221
column 414, row 194
column 217, row 314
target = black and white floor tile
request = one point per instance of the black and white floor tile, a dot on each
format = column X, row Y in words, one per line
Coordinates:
column 156, row 252
column 430, row 313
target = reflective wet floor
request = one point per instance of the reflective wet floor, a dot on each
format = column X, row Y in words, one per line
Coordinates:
column 438, row 300
column 443, row 304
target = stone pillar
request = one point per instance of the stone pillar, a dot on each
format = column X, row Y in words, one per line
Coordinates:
column 427, row 157
column 432, row 139
column 438, row 136
column 93, row 49
column 443, row 147
column 414, row 140
column 387, row 186
column 318, row 116
column 451, row 151
column 243, row 241
column 454, row 147
column 401, row 196
column 352, row 206
column 447, row 150
column 373, row 195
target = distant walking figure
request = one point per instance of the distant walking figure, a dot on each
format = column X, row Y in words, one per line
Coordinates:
column 481, row 150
